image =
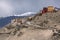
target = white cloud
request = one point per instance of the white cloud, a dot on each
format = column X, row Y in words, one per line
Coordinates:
column 28, row 13
column 5, row 8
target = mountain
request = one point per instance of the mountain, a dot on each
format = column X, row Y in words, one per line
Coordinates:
column 6, row 20
column 39, row 27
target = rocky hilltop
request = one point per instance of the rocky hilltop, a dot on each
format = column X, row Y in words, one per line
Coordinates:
column 38, row 27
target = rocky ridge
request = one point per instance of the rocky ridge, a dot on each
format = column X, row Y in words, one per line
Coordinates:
column 38, row 27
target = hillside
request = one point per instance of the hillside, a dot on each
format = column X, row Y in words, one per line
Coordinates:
column 38, row 27
column 6, row 20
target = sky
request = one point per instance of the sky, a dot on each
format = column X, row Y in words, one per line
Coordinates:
column 11, row 7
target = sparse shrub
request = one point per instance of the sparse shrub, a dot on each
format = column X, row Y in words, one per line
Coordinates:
column 46, row 21
column 20, row 34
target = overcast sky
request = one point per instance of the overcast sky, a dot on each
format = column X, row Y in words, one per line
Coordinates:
column 11, row 7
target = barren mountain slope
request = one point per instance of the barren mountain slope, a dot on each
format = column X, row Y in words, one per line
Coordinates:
column 45, row 27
